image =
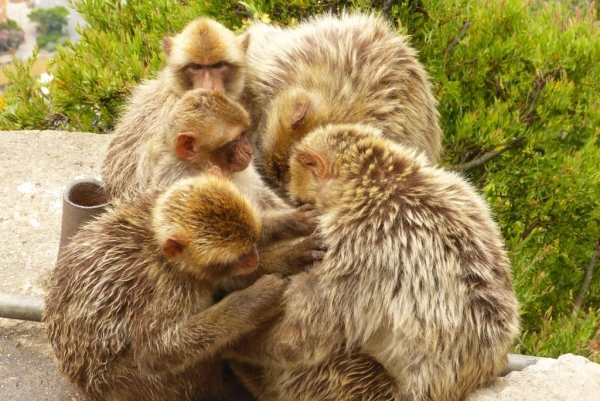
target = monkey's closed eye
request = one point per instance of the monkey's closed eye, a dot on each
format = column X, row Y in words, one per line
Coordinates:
column 240, row 137
column 218, row 65
column 195, row 66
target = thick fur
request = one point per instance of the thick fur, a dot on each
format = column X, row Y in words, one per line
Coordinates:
column 416, row 275
column 211, row 115
column 127, row 323
column 336, row 69
column 207, row 113
column 203, row 41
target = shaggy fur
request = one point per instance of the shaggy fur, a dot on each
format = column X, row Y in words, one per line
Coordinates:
column 203, row 41
column 416, row 276
column 128, row 323
column 217, row 120
column 351, row 68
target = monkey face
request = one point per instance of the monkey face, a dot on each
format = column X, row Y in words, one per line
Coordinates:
column 211, row 76
column 213, row 128
column 207, row 55
column 235, row 155
column 207, row 226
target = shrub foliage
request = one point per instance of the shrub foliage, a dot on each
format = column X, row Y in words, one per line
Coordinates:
column 515, row 79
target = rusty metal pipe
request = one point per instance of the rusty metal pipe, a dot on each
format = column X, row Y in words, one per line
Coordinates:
column 21, row 307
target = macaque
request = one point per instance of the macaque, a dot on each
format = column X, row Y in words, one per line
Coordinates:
column 209, row 129
column 329, row 69
column 130, row 312
column 416, row 277
column 204, row 55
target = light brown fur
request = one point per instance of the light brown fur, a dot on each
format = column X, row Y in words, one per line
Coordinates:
column 216, row 122
column 202, row 42
column 416, row 275
column 130, row 311
column 351, row 68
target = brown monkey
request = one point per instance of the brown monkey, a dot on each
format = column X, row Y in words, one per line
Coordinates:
column 130, row 311
column 208, row 128
column 416, row 276
column 204, row 55
column 351, row 68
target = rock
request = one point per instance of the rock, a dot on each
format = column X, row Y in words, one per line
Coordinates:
column 568, row 378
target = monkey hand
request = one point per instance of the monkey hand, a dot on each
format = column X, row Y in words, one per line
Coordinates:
column 306, row 219
column 303, row 254
column 265, row 295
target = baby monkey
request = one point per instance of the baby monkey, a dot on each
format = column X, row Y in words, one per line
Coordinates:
column 130, row 311
column 208, row 128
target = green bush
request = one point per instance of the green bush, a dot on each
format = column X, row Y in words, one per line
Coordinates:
column 50, row 41
column 513, row 75
column 10, row 24
column 50, row 20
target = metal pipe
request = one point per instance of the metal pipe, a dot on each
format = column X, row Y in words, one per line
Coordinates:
column 21, row 307
column 31, row 308
column 518, row 362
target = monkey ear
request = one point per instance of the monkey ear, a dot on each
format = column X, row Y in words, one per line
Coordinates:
column 186, row 145
column 244, row 41
column 300, row 111
column 175, row 245
column 167, row 44
column 216, row 171
column 312, row 161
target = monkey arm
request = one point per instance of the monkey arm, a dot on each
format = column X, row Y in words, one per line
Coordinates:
column 281, row 224
column 204, row 334
column 305, row 334
column 288, row 259
column 292, row 258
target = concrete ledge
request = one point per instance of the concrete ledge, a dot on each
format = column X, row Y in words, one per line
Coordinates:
column 35, row 168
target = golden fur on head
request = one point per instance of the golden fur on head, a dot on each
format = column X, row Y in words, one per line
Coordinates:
column 207, row 42
column 331, row 141
column 204, row 112
column 416, row 273
column 152, row 102
column 352, row 68
column 209, row 211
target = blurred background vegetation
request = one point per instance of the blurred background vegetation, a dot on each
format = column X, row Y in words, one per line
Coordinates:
column 517, row 83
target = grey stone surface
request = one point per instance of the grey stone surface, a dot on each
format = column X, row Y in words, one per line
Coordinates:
column 568, row 378
column 35, row 167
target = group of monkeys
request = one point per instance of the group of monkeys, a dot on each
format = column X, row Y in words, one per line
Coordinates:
column 342, row 263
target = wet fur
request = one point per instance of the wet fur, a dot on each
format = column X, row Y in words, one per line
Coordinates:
column 416, row 277
column 203, row 41
column 340, row 69
column 127, row 323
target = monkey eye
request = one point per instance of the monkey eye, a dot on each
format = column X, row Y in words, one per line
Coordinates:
column 218, row 65
column 195, row 66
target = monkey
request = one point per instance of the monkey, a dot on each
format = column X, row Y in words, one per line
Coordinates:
column 351, row 68
column 416, row 277
column 207, row 129
column 130, row 312
column 204, row 55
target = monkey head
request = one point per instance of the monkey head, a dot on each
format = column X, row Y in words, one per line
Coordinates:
column 207, row 55
column 210, row 129
column 329, row 159
column 207, row 228
column 292, row 114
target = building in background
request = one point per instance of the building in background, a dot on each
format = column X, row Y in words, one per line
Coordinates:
column 3, row 11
